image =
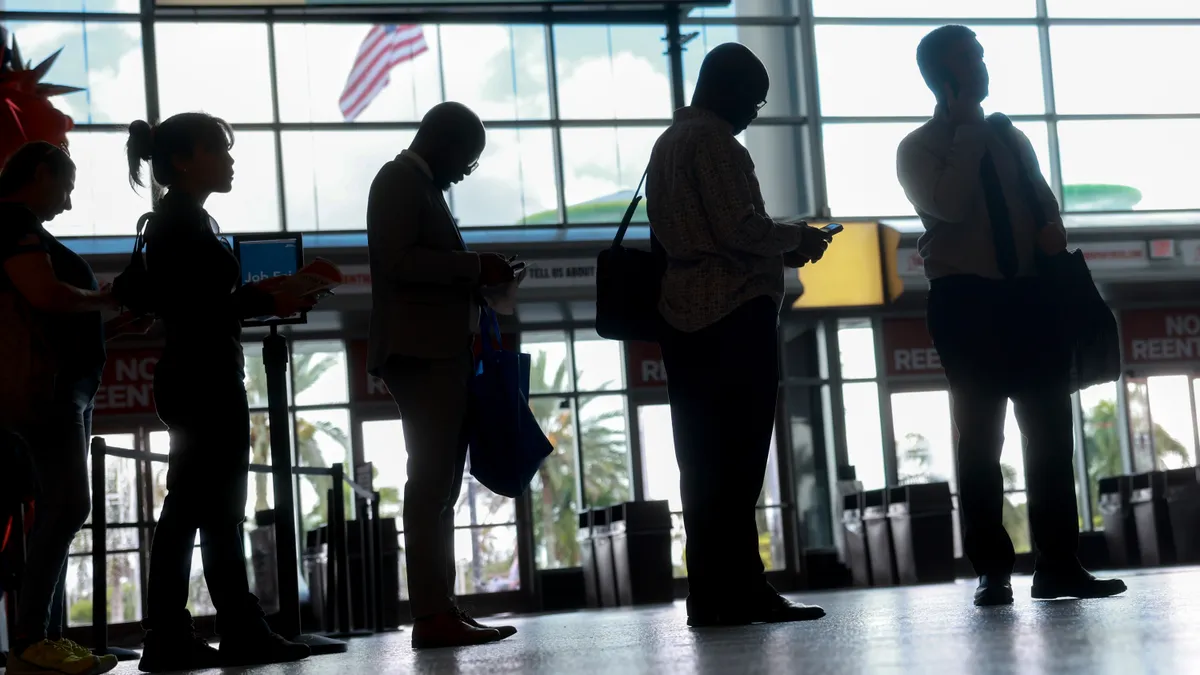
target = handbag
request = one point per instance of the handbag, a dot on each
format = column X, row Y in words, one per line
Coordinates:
column 628, row 284
column 507, row 445
column 1086, row 323
column 133, row 287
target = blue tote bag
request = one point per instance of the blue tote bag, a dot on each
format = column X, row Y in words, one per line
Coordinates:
column 507, row 446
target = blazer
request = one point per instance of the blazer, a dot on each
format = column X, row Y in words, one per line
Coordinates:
column 423, row 278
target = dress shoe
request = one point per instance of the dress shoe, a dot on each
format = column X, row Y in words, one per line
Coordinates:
column 774, row 608
column 247, row 649
column 504, row 631
column 448, row 629
column 1074, row 583
column 177, row 652
column 994, row 589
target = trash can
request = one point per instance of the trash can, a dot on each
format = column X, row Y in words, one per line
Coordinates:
column 855, row 536
column 641, row 544
column 922, row 523
column 262, row 560
column 587, row 559
column 315, row 560
column 606, row 577
column 879, row 538
column 1120, row 528
column 1148, row 497
column 1183, row 508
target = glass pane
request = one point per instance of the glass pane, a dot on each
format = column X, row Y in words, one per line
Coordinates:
column 1123, row 9
column 478, row 505
column 612, row 72
column 747, row 8
column 260, row 438
column 660, row 470
column 601, row 169
column 486, row 560
column 326, row 174
column 770, row 495
column 103, row 58
column 678, row 544
column 199, row 601
column 187, row 63
column 1128, row 164
column 1137, row 398
column 403, row 568
column 599, row 365
column 1085, row 65
column 872, row 70
column 926, row 8
column 121, row 480
column 1101, row 440
column 1012, row 453
column 775, row 45
column 550, row 371
column 554, row 498
column 79, row 591
column 253, row 205
column 770, row 539
column 864, row 437
column 500, row 72
column 924, row 437
column 383, row 447
column 856, row 346
column 81, row 6
column 514, row 184
column 323, row 439
column 1174, row 427
column 860, row 164
column 810, row 464
column 102, row 203
column 256, row 375
column 1016, row 521
column 260, row 486
column 124, row 584
column 319, row 372
column 314, row 503
column 313, row 64
column 604, row 445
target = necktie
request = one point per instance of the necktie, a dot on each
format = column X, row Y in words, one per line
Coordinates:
column 1002, row 232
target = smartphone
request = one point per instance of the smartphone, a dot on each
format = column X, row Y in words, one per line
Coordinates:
column 832, row 229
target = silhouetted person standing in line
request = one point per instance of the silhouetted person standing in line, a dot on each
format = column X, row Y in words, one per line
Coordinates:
column 991, row 321
column 200, row 395
column 721, row 296
column 424, row 314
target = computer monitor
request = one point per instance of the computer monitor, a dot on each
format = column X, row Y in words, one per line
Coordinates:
column 263, row 256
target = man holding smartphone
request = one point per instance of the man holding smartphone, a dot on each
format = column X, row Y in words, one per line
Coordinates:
column 991, row 321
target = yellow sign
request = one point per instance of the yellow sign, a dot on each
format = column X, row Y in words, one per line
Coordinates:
column 858, row 269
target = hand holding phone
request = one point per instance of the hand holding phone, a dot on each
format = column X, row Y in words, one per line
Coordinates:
column 832, row 229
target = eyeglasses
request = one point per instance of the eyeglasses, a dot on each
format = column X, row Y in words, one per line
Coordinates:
column 471, row 168
column 760, row 106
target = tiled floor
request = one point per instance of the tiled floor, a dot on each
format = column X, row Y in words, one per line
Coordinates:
column 1155, row 628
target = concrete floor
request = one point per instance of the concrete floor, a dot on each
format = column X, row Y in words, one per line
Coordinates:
column 1154, row 628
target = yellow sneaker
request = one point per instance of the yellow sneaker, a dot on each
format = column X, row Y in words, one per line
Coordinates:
column 56, row 657
column 107, row 661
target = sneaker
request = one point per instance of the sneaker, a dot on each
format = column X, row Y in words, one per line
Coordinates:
column 179, row 652
column 55, row 657
column 240, row 649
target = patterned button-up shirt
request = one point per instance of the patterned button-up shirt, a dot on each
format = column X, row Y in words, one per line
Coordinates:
column 706, row 208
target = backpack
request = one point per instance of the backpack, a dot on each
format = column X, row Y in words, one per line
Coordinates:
column 27, row 361
column 132, row 287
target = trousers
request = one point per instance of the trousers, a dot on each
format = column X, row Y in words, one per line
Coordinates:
column 208, row 418
column 432, row 397
column 997, row 342
column 723, row 382
column 59, row 450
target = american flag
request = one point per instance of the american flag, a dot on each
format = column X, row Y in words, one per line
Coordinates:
column 384, row 48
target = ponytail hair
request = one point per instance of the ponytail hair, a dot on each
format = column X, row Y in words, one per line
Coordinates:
column 21, row 168
column 177, row 136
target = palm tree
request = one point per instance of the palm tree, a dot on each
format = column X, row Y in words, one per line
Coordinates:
column 606, row 479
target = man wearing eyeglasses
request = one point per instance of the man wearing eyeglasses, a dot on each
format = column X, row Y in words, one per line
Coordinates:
column 424, row 314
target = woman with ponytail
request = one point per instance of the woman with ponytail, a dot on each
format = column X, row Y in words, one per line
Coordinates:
column 200, row 394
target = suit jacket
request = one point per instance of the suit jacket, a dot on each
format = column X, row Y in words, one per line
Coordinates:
column 423, row 279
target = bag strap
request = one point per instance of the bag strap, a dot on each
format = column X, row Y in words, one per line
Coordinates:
column 139, row 241
column 633, row 204
column 1008, row 133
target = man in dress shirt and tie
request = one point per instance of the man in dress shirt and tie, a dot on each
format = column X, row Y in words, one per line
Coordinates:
column 990, row 320
column 424, row 312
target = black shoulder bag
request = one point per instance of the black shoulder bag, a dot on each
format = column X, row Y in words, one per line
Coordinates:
column 1087, row 323
column 628, row 283
column 133, row 288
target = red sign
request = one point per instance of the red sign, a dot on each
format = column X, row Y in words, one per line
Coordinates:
column 908, row 348
column 1161, row 335
column 644, row 365
column 127, row 386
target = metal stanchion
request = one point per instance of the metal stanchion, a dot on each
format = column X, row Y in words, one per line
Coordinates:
column 100, row 451
column 377, row 562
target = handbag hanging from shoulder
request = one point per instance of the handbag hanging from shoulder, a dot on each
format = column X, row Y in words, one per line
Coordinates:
column 628, row 282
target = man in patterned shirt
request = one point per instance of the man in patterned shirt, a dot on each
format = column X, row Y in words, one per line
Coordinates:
column 721, row 296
